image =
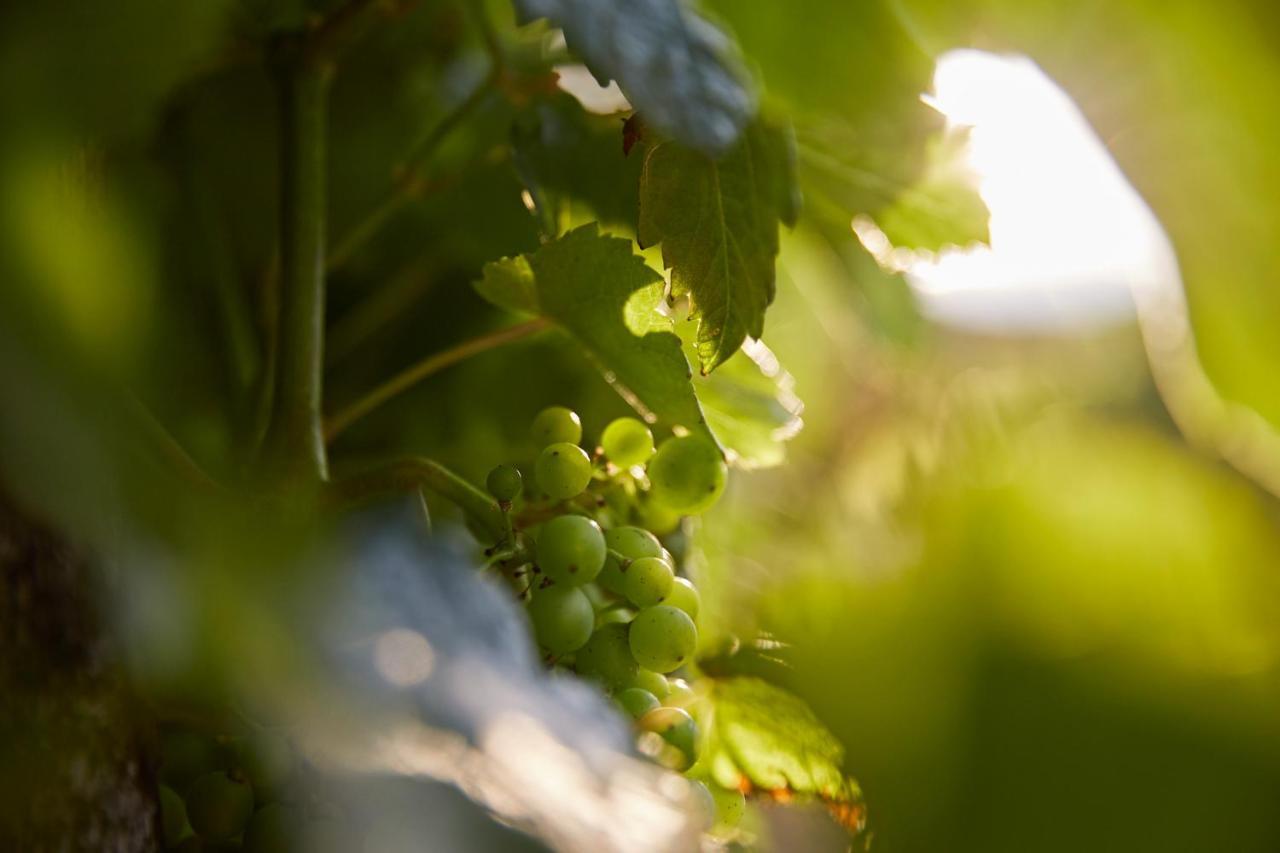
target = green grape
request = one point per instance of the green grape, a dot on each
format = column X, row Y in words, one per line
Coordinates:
column 637, row 702
column 570, row 549
column 655, row 683
column 662, row 638
column 658, row 518
column 678, row 730
column 556, row 424
column 219, row 805
column 680, row 694
column 173, row 816
column 274, row 829
column 632, row 543
column 267, row 761
column 647, row 580
column 615, row 615
column 706, row 803
column 562, row 618
column 684, row 595
column 504, row 482
column 563, row 471
column 607, row 657
column 687, row 474
column 730, row 805
column 627, row 442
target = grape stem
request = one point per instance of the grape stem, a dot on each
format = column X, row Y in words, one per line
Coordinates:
column 412, row 375
column 623, row 561
column 404, row 475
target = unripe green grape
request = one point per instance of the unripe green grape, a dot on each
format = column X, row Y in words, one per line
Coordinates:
column 273, row 829
column 570, row 549
column 219, row 805
column 659, row 518
column 627, row 442
column 706, row 803
column 556, row 424
column 731, row 805
column 687, row 474
column 662, row 638
column 173, row 816
column 607, row 657
column 637, row 702
column 680, row 694
column 678, row 730
column 563, row 470
column 615, row 616
column 267, row 760
column 647, row 580
column 504, row 482
column 562, row 618
column 655, row 683
column 684, row 595
column 632, row 543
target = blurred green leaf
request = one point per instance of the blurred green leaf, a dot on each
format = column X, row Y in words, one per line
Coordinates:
column 717, row 221
column 769, row 737
column 943, row 208
column 603, row 295
column 676, row 68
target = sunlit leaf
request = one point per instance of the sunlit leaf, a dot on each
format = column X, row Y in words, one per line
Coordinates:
column 598, row 291
column 717, row 221
column 943, row 207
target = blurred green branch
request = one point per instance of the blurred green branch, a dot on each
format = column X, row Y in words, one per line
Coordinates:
column 343, row 418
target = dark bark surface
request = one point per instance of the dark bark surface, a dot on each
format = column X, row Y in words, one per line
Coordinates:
column 73, row 769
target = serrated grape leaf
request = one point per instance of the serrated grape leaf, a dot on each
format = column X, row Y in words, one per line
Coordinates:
column 943, row 207
column 750, row 403
column 764, row 737
column 717, row 221
column 604, row 296
column 675, row 67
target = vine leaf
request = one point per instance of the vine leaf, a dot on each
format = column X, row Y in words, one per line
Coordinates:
column 760, row 736
column 750, row 403
column 717, row 221
column 599, row 292
column 943, row 207
column 681, row 72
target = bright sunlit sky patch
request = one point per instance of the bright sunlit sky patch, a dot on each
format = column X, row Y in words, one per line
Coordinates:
column 1070, row 238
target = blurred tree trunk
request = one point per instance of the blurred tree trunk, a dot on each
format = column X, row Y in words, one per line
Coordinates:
column 73, row 768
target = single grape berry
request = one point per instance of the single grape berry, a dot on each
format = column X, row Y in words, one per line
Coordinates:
column 678, row 730
column 632, row 543
column 173, row 816
column 571, row 549
column 563, row 470
column 684, row 595
column 731, row 805
column 647, row 580
column 607, row 657
column 687, row 474
column 680, row 694
column 706, row 803
column 219, row 805
column 615, row 615
column 504, row 482
column 273, row 829
column 562, row 618
column 662, row 638
column 637, row 702
column 655, row 683
column 627, row 442
column 556, row 424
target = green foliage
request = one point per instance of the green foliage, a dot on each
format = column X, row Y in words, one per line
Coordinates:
column 764, row 735
column 942, row 208
column 603, row 295
column 717, row 221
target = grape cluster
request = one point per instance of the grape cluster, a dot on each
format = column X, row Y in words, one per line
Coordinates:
column 604, row 595
column 242, row 791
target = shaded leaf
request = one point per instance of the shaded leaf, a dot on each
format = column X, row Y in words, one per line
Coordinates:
column 762, row 736
column 677, row 69
column 598, row 291
column 717, row 221
column 943, row 208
